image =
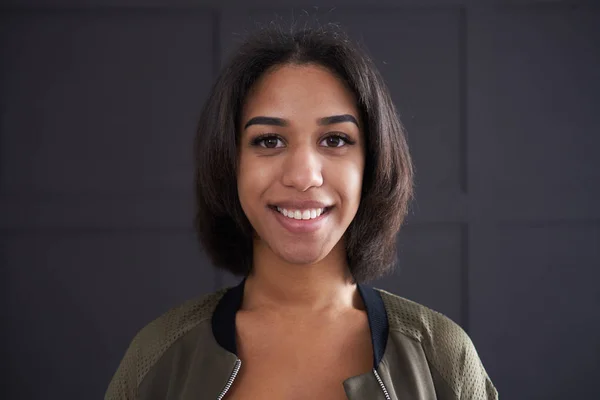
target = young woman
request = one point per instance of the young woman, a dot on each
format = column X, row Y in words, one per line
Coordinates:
column 303, row 180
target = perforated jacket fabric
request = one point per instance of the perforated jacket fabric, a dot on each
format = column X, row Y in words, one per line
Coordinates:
column 190, row 353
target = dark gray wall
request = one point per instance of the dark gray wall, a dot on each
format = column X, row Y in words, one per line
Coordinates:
column 98, row 105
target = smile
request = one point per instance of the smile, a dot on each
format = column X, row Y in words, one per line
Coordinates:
column 301, row 221
column 306, row 214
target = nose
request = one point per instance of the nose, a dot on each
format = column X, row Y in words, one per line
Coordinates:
column 302, row 169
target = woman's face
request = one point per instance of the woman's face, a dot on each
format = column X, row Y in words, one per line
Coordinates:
column 301, row 161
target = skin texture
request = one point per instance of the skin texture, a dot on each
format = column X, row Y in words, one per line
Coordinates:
column 302, row 328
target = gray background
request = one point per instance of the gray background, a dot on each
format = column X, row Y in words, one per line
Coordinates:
column 98, row 106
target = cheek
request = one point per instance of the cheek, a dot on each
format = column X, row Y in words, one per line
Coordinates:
column 348, row 180
column 253, row 179
column 354, row 185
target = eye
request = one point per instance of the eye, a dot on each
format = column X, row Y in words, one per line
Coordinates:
column 267, row 141
column 336, row 140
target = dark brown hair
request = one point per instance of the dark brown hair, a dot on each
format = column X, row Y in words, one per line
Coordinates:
column 222, row 227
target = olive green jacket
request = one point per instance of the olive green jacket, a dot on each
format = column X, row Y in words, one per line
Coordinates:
column 189, row 353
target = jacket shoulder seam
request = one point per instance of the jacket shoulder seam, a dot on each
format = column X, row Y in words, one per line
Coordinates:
column 408, row 333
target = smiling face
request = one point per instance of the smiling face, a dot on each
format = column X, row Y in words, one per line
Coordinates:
column 301, row 161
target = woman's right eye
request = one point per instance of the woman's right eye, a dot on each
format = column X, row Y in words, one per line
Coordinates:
column 267, row 141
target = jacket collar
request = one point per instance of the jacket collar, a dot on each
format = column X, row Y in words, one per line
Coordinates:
column 224, row 331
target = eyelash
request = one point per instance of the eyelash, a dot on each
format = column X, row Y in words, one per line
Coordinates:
column 261, row 138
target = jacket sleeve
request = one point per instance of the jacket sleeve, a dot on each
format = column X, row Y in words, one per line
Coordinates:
column 456, row 368
column 475, row 382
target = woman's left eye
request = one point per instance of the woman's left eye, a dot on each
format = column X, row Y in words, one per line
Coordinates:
column 335, row 141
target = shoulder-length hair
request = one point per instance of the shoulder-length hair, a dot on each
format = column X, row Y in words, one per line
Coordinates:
column 221, row 225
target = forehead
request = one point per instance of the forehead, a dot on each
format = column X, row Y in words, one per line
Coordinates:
column 297, row 91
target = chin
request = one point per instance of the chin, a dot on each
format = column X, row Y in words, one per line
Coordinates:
column 300, row 256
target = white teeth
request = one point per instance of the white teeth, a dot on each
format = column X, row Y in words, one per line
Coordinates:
column 301, row 214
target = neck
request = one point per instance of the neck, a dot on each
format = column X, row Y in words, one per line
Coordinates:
column 275, row 285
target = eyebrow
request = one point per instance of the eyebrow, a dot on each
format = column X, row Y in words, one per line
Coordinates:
column 274, row 121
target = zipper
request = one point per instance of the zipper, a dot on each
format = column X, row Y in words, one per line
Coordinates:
column 385, row 392
column 236, row 369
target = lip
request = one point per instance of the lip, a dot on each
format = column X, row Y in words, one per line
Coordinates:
column 301, row 225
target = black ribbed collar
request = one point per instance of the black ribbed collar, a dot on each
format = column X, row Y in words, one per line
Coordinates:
column 223, row 319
